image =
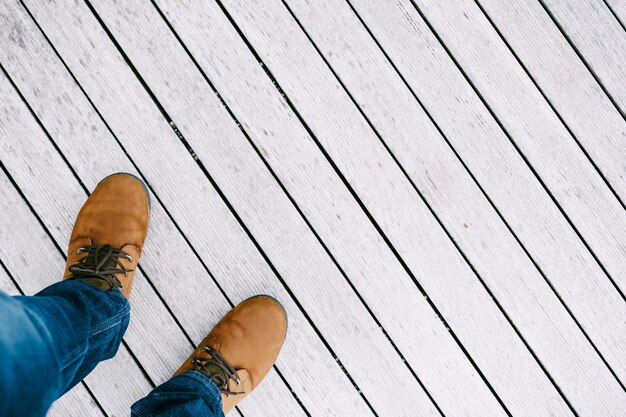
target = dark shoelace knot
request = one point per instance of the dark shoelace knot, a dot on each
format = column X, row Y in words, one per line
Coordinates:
column 102, row 262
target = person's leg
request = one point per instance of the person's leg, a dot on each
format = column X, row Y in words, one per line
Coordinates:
column 228, row 364
column 49, row 342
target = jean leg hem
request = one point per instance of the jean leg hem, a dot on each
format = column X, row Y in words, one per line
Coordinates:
column 137, row 410
column 204, row 380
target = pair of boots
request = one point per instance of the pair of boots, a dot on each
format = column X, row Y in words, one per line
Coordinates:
column 104, row 250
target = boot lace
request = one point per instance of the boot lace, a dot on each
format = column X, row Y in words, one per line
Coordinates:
column 217, row 369
column 102, row 262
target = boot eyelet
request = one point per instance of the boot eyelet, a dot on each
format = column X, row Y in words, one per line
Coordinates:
column 80, row 250
column 129, row 258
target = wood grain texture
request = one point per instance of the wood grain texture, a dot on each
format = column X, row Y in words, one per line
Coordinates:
column 305, row 82
column 566, row 83
column 334, row 121
column 6, row 284
column 495, row 164
column 535, row 129
column 464, row 210
column 599, row 38
column 618, row 8
column 76, row 402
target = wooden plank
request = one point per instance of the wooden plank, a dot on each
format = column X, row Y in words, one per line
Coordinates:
column 535, row 129
column 303, row 347
column 492, row 248
column 339, row 316
column 458, row 112
column 206, row 47
column 598, row 37
column 618, row 8
column 305, row 82
column 500, row 171
column 77, row 402
column 568, row 86
column 79, row 133
column 6, row 284
column 539, row 235
column 368, row 262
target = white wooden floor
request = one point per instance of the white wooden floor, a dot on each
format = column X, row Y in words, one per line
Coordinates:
column 434, row 189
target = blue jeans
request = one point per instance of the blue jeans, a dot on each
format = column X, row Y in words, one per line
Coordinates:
column 49, row 342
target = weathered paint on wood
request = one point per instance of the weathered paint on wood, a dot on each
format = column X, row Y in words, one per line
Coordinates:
column 598, row 37
column 565, row 81
column 340, row 195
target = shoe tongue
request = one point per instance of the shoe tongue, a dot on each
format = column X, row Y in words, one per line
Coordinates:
column 215, row 373
column 98, row 282
column 99, row 267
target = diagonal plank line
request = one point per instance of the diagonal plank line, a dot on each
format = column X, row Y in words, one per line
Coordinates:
column 582, row 58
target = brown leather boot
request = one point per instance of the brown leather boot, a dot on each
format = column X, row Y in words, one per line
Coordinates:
column 109, row 233
column 242, row 348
